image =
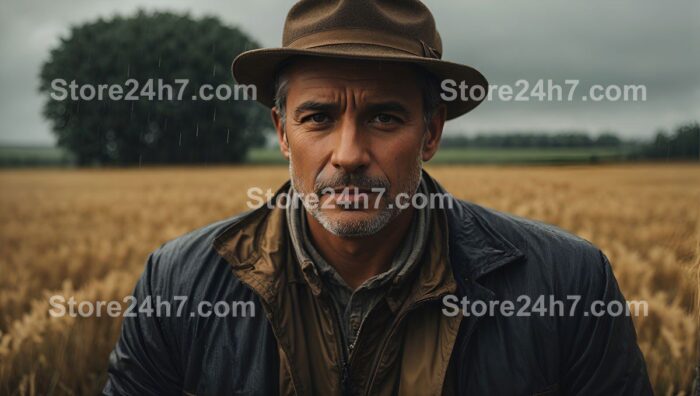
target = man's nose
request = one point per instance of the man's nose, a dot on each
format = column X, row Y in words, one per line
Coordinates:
column 351, row 152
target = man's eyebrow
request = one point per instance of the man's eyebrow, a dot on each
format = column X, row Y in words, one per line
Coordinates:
column 378, row 107
column 312, row 105
column 387, row 106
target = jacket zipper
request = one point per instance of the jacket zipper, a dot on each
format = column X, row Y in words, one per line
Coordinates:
column 275, row 333
column 394, row 326
column 345, row 371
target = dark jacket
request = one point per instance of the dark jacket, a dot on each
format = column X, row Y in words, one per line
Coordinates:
column 492, row 257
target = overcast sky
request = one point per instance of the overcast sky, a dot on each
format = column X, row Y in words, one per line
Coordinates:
column 650, row 42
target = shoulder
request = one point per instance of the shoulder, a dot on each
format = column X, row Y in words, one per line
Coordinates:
column 189, row 265
column 529, row 234
column 558, row 258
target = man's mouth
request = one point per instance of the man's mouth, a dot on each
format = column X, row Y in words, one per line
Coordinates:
column 351, row 198
column 351, row 190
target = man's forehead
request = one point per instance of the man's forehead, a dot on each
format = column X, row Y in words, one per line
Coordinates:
column 323, row 77
column 350, row 67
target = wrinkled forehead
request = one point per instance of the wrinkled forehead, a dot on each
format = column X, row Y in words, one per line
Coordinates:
column 318, row 77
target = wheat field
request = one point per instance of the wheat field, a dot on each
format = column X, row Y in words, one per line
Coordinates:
column 87, row 233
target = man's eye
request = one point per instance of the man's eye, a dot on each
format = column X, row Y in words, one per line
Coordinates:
column 318, row 118
column 384, row 118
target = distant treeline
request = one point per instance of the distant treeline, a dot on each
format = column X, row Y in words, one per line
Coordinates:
column 538, row 140
column 681, row 143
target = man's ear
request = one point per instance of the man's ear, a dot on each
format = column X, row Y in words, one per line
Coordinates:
column 281, row 134
column 431, row 140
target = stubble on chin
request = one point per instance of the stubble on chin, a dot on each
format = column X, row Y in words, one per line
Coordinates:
column 364, row 225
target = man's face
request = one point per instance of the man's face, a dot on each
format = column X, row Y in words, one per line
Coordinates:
column 355, row 126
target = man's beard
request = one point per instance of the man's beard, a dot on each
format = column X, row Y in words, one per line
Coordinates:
column 384, row 213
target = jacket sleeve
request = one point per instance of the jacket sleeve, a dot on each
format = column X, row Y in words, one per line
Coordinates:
column 142, row 362
column 601, row 352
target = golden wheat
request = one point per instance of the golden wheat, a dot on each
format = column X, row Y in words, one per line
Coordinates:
column 86, row 233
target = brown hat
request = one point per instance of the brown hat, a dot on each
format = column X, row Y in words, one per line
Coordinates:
column 388, row 30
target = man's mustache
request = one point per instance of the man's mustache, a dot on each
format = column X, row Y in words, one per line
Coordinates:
column 356, row 180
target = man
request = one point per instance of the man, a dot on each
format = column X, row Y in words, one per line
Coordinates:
column 353, row 286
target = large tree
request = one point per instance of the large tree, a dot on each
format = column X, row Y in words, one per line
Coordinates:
column 143, row 47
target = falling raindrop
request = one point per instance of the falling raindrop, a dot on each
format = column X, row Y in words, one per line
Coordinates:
column 228, row 133
column 179, row 142
column 214, row 116
column 213, row 71
column 197, row 133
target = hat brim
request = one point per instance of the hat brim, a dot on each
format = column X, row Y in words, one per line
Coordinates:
column 258, row 68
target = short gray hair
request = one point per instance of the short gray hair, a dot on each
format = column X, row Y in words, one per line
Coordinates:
column 429, row 84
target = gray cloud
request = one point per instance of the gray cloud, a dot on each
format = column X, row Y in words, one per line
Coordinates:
column 597, row 41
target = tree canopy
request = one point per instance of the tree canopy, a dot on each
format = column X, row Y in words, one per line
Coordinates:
column 163, row 48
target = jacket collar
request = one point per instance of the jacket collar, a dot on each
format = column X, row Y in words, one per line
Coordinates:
column 475, row 247
column 256, row 245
